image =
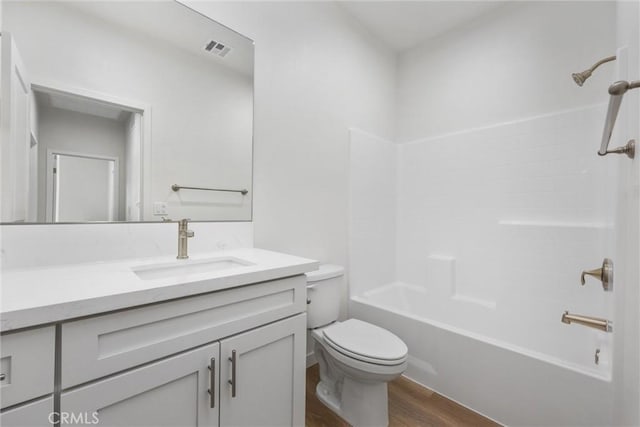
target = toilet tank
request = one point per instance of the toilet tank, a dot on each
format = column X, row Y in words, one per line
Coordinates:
column 324, row 291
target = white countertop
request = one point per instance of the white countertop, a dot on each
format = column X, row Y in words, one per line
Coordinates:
column 36, row 296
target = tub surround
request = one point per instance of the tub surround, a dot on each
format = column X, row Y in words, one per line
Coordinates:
column 461, row 273
column 34, row 296
column 470, row 239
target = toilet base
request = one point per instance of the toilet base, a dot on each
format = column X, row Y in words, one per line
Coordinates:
column 360, row 403
column 325, row 396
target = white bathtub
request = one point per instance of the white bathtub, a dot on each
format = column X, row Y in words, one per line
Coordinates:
column 510, row 383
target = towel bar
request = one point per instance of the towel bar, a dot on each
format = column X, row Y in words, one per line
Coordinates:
column 176, row 187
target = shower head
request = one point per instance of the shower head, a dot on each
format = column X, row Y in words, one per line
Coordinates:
column 582, row 76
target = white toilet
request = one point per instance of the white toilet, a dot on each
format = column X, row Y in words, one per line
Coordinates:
column 356, row 358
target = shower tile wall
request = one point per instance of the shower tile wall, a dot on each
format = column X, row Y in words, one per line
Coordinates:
column 516, row 210
column 458, row 193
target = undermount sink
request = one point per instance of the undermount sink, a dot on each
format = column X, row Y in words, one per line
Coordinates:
column 187, row 267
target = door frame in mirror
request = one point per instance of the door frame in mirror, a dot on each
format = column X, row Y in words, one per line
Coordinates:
column 133, row 106
column 51, row 189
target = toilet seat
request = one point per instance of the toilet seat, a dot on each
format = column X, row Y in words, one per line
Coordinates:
column 365, row 342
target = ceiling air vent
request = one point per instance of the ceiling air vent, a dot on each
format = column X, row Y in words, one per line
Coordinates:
column 217, row 48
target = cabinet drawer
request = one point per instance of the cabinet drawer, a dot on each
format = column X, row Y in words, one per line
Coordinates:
column 102, row 345
column 27, row 363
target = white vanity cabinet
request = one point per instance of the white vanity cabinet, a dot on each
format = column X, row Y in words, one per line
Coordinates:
column 232, row 358
column 262, row 386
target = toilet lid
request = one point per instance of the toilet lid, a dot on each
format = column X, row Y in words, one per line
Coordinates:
column 367, row 342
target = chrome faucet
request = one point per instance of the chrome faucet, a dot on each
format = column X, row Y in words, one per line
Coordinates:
column 183, row 235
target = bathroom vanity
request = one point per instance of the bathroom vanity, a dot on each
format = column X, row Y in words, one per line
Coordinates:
column 214, row 340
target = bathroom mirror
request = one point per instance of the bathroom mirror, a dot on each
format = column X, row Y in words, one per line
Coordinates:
column 123, row 111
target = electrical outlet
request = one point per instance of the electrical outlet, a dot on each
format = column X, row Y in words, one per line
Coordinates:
column 159, row 208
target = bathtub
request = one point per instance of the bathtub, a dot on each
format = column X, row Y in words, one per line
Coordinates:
column 503, row 375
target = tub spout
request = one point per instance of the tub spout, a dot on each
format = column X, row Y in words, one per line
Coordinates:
column 592, row 322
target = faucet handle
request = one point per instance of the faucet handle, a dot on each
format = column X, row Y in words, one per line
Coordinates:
column 604, row 274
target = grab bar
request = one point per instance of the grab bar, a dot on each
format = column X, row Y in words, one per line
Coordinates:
column 176, row 187
column 592, row 322
column 617, row 91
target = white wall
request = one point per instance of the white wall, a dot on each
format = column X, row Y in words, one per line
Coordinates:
column 201, row 131
column 82, row 134
column 32, row 246
column 512, row 63
column 317, row 74
column 627, row 299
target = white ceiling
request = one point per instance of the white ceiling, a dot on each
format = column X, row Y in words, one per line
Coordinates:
column 405, row 24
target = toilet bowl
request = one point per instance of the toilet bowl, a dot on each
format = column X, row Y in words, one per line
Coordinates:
column 356, row 358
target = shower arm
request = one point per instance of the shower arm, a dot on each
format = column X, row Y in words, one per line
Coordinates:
column 617, row 91
column 602, row 61
column 582, row 76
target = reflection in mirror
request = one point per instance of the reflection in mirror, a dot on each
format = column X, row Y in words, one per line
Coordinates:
column 107, row 105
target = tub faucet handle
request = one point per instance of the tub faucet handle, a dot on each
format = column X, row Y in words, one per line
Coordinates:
column 604, row 274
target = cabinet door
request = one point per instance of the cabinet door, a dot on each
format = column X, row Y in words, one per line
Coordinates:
column 170, row 392
column 262, row 375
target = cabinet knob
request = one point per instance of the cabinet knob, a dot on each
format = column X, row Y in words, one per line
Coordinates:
column 2, row 377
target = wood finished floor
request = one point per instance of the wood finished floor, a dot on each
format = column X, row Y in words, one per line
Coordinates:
column 410, row 405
